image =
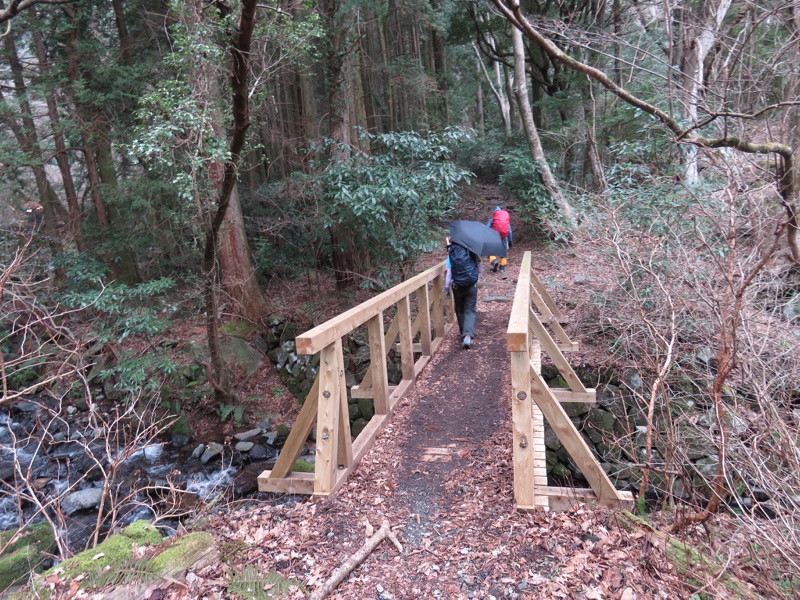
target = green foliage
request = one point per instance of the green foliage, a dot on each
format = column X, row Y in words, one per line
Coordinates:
column 234, row 412
column 133, row 372
column 121, row 310
column 482, row 155
column 393, row 199
column 118, row 312
column 392, row 202
column 248, row 583
column 302, row 466
column 520, row 177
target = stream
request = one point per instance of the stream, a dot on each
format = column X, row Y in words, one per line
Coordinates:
column 55, row 459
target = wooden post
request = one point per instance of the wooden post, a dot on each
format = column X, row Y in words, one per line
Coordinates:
column 344, row 453
column 425, row 324
column 377, row 357
column 403, row 319
column 328, row 416
column 438, row 306
column 524, row 450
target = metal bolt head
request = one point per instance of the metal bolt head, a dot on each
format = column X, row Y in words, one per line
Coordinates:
column 521, row 395
column 326, row 394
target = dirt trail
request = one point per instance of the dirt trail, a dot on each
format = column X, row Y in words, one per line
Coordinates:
column 457, row 408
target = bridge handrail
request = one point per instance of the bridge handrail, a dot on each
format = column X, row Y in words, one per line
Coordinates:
column 518, row 332
column 314, row 340
column 534, row 403
column 327, row 403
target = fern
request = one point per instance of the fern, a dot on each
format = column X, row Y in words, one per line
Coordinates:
column 247, row 583
column 131, row 571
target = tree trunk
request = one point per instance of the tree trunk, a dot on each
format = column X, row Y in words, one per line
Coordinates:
column 534, row 143
column 238, row 273
column 27, row 138
column 340, row 89
column 707, row 24
column 99, row 160
column 498, row 88
column 240, row 55
column 74, row 213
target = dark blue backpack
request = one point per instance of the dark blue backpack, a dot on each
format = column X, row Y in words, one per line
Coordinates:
column 463, row 267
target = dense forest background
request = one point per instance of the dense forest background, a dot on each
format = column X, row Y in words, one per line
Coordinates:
column 174, row 158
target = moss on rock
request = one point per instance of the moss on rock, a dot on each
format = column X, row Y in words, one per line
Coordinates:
column 24, row 554
column 182, row 554
column 114, row 550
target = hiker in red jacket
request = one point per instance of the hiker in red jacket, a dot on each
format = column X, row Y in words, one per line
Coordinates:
column 501, row 222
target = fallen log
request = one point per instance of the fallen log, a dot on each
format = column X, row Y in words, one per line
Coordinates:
column 699, row 569
column 356, row 559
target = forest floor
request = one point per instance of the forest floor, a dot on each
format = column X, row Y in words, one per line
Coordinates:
column 441, row 475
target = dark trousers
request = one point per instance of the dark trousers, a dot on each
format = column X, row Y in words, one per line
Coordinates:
column 466, row 304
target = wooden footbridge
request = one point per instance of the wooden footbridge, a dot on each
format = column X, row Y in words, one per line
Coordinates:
column 412, row 319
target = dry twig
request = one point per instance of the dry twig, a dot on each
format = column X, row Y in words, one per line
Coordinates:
column 356, row 559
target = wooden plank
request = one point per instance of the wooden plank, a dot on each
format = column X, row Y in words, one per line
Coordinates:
column 571, row 347
column 522, row 429
column 328, row 416
column 403, row 319
column 539, row 473
column 540, row 304
column 377, row 366
column 299, row 433
column 517, row 335
column 399, row 392
column 549, row 346
column 323, row 335
column 357, row 392
column 345, row 442
column 423, row 301
column 564, row 395
column 295, row 483
column 562, row 336
column 547, row 299
column 566, row 498
column 572, row 441
column 548, row 318
column 437, row 310
column 421, row 363
column 367, row 437
column 388, row 341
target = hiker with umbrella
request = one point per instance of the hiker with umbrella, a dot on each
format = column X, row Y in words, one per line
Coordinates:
column 468, row 241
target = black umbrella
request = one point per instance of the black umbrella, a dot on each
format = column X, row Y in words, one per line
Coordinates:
column 477, row 237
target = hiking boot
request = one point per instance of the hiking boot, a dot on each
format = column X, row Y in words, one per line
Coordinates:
column 467, row 342
column 495, row 264
column 502, row 269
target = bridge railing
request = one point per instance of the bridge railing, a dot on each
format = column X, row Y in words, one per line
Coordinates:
column 535, row 326
column 326, row 405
